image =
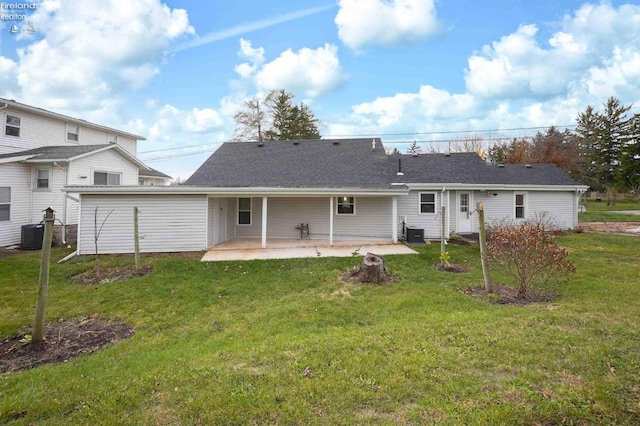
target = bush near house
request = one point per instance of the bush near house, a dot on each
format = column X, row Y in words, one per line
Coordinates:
column 530, row 256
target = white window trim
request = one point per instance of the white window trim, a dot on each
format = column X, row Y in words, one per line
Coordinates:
column 7, row 203
column 66, row 132
column 19, row 126
column 525, row 205
column 49, row 179
column 93, row 177
column 250, row 212
column 435, row 203
column 338, row 203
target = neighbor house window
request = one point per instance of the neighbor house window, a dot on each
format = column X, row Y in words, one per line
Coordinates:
column 73, row 132
column 244, row 211
column 5, row 203
column 42, row 179
column 12, row 125
column 346, row 205
column 111, row 138
column 104, row 178
column 427, row 202
column 520, row 206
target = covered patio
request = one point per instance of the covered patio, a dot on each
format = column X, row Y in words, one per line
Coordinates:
column 277, row 248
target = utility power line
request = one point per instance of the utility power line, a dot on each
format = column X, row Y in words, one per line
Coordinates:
column 393, row 134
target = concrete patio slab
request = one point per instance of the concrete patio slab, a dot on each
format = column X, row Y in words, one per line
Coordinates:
column 247, row 249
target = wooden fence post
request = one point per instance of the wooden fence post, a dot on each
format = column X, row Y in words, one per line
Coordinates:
column 483, row 249
column 43, row 283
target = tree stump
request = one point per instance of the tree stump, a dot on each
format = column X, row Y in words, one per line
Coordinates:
column 372, row 270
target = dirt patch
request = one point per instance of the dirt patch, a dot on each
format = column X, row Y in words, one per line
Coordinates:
column 349, row 276
column 109, row 275
column 505, row 295
column 627, row 228
column 4, row 253
column 64, row 340
column 453, row 267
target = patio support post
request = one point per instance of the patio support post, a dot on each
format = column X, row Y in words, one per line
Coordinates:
column 394, row 219
column 331, row 221
column 264, row 222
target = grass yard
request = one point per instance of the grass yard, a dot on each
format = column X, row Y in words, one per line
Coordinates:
column 601, row 212
column 286, row 342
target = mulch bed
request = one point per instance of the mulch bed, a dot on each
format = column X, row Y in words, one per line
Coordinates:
column 505, row 295
column 109, row 275
column 64, row 340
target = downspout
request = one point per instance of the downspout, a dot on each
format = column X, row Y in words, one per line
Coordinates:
column 64, row 204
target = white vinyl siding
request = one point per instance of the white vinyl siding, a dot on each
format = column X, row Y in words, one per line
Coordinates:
column 166, row 223
column 210, row 221
column 36, row 131
column 17, row 177
column 559, row 208
column 373, row 219
column 409, row 208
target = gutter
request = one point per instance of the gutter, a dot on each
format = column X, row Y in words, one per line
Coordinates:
column 64, row 203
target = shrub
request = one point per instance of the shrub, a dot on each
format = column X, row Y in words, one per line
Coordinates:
column 529, row 255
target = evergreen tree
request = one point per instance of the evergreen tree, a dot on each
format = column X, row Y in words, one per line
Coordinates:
column 276, row 118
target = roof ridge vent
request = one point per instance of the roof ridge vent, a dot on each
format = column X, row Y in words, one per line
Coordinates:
column 260, row 143
column 447, row 154
column 528, row 166
column 296, row 142
column 336, row 142
column 501, row 166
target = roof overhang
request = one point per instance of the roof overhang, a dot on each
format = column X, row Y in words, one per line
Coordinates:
column 494, row 187
column 232, row 192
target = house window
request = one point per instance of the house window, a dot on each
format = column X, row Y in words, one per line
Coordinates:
column 42, row 179
column 346, row 205
column 427, row 202
column 104, row 178
column 12, row 125
column 244, row 211
column 5, row 203
column 111, row 138
column 73, row 133
column 520, row 206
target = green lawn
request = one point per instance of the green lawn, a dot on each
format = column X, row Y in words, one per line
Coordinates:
column 601, row 212
column 285, row 342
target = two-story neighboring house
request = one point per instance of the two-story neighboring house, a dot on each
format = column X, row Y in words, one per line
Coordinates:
column 43, row 151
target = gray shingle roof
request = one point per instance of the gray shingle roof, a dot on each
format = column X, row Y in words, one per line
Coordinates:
column 153, row 173
column 55, row 152
column 354, row 163
column 329, row 163
column 469, row 168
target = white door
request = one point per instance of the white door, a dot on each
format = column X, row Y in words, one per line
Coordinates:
column 220, row 221
column 464, row 212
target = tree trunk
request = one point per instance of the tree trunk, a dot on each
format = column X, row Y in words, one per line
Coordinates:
column 372, row 270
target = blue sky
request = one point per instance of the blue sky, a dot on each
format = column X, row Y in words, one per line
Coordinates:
column 177, row 71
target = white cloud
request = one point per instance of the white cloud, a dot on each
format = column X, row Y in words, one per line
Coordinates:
column 8, row 70
column 385, row 22
column 92, row 50
column 519, row 65
column 173, row 121
column 312, row 72
column 255, row 57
